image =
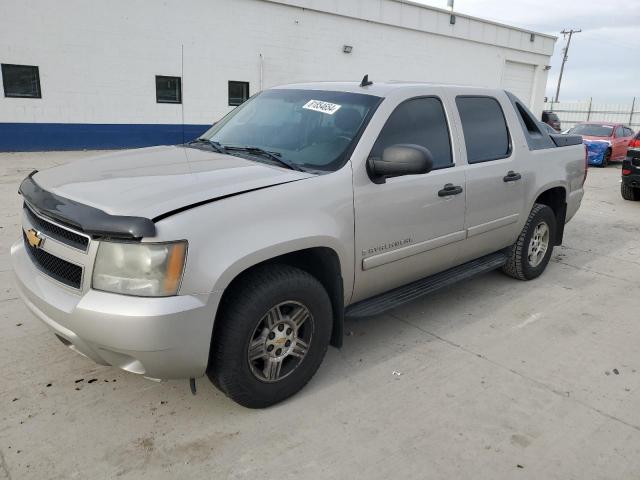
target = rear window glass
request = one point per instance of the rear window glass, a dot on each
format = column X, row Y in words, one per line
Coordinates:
column 485, row 130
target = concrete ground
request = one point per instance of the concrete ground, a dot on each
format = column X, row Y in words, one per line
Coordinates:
column 492, row 378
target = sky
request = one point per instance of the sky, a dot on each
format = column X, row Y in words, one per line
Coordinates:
column 603, row 60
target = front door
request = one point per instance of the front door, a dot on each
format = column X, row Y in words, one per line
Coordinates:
column 409, row 226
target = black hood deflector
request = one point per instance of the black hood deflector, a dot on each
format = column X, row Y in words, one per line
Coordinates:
column 98, row 223
column 85, row 218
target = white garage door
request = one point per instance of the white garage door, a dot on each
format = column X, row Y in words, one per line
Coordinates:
column 517, row 78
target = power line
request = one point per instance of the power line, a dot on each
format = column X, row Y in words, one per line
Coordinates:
column 565, row 56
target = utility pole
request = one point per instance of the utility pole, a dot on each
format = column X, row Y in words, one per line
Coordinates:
column 564, row 58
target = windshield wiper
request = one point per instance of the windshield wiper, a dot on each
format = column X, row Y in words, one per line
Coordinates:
column 275, row 156
column 218, row 147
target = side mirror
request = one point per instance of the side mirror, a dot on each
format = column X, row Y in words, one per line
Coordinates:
column 399, row 160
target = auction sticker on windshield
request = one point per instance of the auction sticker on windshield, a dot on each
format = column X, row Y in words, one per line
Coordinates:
column 322, row 107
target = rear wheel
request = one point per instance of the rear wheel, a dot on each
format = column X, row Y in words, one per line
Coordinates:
column 629, row 193
column 271, row 335
column 529, row 256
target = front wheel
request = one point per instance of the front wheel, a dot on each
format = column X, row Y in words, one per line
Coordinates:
column 271, row 335
column 606, row 158
column 529, row 256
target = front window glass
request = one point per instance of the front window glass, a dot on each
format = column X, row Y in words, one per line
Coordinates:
column 310, row 128
column 592, row 130
column 419, row 121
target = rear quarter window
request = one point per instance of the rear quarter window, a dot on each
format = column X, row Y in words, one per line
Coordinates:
column 486, row 135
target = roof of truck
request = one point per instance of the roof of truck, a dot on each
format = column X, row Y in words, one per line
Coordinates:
column 380, row 89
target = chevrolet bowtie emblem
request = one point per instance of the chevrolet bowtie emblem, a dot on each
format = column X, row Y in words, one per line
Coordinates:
column 32, row 237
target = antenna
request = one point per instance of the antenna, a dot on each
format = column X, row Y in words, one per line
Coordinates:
column 365, row 81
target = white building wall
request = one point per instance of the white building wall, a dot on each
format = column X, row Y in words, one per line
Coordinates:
column 98, row 60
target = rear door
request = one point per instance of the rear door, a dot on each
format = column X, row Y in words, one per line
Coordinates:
column 495, row 192
column 409, row 226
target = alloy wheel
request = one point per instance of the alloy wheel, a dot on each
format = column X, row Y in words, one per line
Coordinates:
column 280, row 341
column 538, row 245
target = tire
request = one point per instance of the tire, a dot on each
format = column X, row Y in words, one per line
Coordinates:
column 262, row 301
column 519, row 263
column 629, row 193
column 606, row 158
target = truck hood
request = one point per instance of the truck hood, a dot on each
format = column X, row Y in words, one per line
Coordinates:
column 150, row 182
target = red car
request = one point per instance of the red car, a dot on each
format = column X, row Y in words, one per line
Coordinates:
column 617, row 135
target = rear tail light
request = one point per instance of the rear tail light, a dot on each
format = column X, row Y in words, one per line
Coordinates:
column 586, row 164
column 634, row 143
column 626, row 171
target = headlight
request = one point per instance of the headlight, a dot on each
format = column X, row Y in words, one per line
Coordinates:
column 141, row 269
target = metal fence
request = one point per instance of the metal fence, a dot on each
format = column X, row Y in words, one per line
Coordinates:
column 571, row 113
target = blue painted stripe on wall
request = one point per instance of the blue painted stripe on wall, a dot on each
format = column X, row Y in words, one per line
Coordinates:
column 32, row 137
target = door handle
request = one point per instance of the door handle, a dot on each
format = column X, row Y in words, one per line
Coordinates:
column 450, row 189
column 511, row 176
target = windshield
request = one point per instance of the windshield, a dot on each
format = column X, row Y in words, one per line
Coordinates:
column 310, row 128
column 592, row 130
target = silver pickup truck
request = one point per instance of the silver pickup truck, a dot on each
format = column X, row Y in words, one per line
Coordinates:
column 239, row 254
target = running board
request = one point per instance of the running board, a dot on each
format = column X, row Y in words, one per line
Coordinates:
column 407, row 293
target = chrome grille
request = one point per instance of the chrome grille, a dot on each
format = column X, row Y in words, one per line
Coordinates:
column 56, row 231
column 61, row 270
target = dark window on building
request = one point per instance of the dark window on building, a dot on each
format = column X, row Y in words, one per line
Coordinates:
column 485, row 129
column 419, row 121
column 21, row 81
column 168, row 89
column 238, row 93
